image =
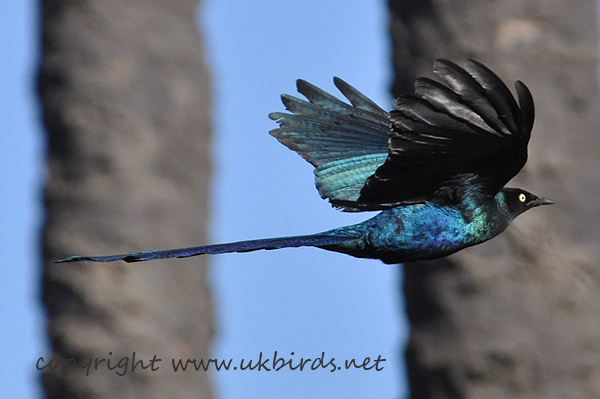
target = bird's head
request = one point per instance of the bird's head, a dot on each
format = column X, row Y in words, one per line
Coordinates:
column 519, row 200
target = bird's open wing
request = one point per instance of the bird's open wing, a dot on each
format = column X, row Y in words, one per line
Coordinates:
column 346, row 143
column 469, row 132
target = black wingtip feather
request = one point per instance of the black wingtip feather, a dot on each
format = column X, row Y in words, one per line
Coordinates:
column 498, row 93
column 526, row 104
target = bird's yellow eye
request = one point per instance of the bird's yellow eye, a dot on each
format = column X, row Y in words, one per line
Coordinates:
column 522, row 197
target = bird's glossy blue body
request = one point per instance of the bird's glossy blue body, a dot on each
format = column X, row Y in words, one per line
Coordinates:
column 423, row 231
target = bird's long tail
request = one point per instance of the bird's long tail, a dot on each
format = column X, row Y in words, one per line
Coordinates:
column 314, row 240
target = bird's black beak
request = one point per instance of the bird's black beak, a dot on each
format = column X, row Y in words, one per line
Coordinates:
column 540, row 201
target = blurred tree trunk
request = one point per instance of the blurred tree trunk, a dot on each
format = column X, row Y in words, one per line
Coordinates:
column 126, row 103
column 518, row 317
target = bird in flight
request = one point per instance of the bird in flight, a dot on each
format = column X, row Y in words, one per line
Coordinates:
column 435, row 166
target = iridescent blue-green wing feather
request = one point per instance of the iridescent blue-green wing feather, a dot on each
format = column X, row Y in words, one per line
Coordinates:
column 345, row 142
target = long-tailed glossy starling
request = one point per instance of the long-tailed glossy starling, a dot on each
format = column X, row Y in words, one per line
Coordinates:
column 435, row 166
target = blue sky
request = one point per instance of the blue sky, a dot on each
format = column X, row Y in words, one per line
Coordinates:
column 302, row 300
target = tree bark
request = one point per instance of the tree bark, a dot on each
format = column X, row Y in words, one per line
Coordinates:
column 126, row 103
column 516, row 317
